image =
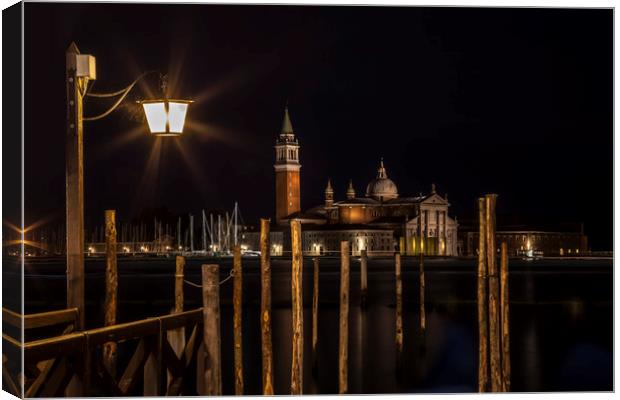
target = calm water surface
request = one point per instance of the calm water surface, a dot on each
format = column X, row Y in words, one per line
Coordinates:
column 561, row 320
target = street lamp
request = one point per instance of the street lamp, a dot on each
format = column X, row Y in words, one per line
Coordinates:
column 164, row 117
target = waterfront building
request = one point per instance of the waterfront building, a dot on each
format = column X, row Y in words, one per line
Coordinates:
column 522, row 240
column 380, row 220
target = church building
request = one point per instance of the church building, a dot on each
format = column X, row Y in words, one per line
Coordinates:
column 380, row 220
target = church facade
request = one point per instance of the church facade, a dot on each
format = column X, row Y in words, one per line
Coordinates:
column 380, row 220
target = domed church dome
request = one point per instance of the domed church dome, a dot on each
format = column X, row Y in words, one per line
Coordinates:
column 382, row 188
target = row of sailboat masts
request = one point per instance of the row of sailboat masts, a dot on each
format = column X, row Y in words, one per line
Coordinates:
column 223, row 234
column 219, row 233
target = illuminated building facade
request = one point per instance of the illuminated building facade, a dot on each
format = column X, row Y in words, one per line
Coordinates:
column 287, row 168
column 560, row 240
column 419, row 223
column 380, row 221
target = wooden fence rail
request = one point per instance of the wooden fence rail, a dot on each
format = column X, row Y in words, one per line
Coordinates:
column 51, row 363
column 39, row 320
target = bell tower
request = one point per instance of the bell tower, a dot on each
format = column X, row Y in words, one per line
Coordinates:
column 287, row 171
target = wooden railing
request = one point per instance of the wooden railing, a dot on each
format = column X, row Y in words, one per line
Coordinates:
column 72, row 364
column 39, row 320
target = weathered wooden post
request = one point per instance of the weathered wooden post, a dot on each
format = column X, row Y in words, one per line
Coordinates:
column 505, row 306
column 297, row 359
column 422, row 296
column 494, row 328
column 343, row 345
column 483, row 324
column 111, row 288
column 211, row 331
column 363, row 278
column 179, row 298
column 176, row 337
column 315, row 311
column 265, row 304
column 237, row 310
column 399, row 312
column 75, row 185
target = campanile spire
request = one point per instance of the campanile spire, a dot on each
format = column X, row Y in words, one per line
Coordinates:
column 287, row 126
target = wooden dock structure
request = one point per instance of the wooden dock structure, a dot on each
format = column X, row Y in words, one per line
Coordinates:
column 51, row 363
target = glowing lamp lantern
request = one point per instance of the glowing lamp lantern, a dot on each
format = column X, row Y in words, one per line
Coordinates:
column 165, row 117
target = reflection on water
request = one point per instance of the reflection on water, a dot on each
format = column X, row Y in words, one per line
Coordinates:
column 561, row 322
column 531, row 366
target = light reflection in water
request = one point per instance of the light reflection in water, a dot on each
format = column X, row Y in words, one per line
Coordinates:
column 532, row 367
column 574, row 311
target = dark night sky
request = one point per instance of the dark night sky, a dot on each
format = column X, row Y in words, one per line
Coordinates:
column 433, row 91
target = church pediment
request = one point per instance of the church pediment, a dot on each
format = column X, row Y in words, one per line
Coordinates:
column 435, row 199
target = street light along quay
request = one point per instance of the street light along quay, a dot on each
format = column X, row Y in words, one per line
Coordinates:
column 165, row 118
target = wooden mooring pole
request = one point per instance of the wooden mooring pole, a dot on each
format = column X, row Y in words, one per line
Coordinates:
column 494, row 326
column 343, row 343
column 505, row 305
column 315, row 311
column 179, row 298
column 363, row 278
column 176, row 337
column 297, row 359
column 483, row 324
column 111, row 289
column 237, row 309
column 211, row 331
column 422, row 295
column 399, row 312
column 265, row 304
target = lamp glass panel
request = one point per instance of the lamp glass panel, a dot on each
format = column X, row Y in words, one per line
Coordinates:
column 176, row 116
column 155, row 116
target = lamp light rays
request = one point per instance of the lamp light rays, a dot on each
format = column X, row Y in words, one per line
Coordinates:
column 30, row 243
column 233, row 80
column 149, row 177
column 191, row 164
column 178, row 50
column 148, row 88
column 21, row 234
column 12, row 226
column 207, row 132
column 38, row 223
column 121, row 140
column 174, row 72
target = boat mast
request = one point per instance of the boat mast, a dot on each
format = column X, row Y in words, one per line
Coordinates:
column 204, row 231
column 235, row 226
column 191, row 233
